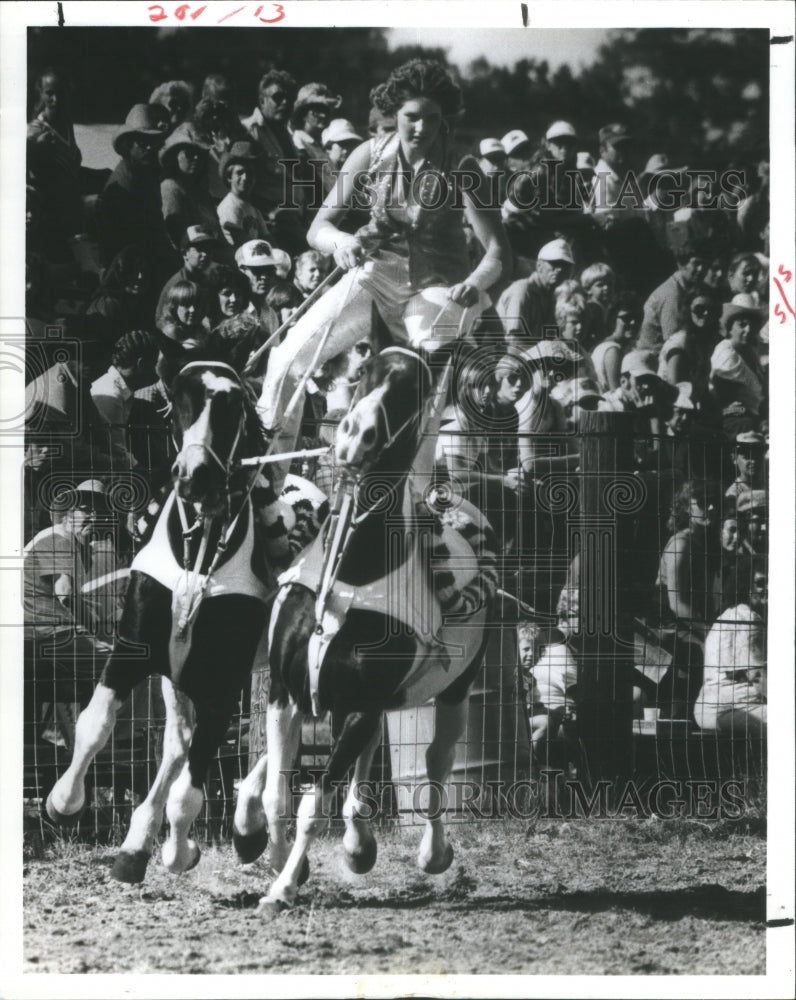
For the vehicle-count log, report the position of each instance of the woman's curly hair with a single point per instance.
(418, 78)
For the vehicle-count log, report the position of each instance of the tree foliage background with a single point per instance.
(700, 95)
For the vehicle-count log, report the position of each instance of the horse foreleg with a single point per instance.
(67, 800)
(180, 852)
(249, 825)
(313, 811)
(436, 854)
(359, 843)
(283, 733)
(135, 852)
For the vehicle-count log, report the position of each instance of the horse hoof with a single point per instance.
(194, 861)
(249, 846)
(130, 866)
(304, 874)
(361, 861)
(432, 868)
(269, 909)
(63, 819)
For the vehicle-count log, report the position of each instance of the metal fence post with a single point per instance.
(609, 495)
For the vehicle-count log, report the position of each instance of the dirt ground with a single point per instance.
(589, 897)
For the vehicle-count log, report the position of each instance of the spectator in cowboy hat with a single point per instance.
(310, 116)
(184, 193)
(736, 375)
(129, 207)
(238, 218)
(256, 261)
(749, 455)
(527, 307)
(197, 246)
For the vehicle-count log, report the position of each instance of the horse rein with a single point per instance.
(194, 597)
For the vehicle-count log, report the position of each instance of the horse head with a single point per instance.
(212, 417)
(383, 423)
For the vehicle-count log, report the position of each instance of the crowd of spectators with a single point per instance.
(621, 298)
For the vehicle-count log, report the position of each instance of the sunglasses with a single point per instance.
(277, 97)
(701, 310)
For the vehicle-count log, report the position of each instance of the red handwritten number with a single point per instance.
(787, 275)
(159, 14)
(196, 13)
(778, 311)
(279, 10)
(181, 11)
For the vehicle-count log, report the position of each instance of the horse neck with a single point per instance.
(382, 538)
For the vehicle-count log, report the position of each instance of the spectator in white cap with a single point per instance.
(519, 150)
(527, 306)
(256, 261)
(339, 139)
(492, 160)
(749, 457)
(640, 388)
(548, 199)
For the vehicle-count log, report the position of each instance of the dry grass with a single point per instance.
(586, 897)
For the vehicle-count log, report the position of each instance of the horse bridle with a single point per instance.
(414, 417)
(226, 467)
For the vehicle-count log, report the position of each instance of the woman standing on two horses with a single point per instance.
(410, 260)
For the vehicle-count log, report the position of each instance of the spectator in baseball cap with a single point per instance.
(197, 244)
(527, 306)
(339, 139)
(519, 149)
(492, 160)
(256, 261)
(749, 456)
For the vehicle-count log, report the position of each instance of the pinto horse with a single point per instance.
(364, 634)
(194, 612)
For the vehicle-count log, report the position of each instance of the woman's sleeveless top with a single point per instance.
(422, 216)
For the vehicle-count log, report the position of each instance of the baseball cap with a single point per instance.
(639, 363)
(558, 130)
(556, 250)
(255, 253)
(489, 146)
(751, 439)
(513, 140)
(95, 489)
(614, 133)
(196, 235)
(339, 130)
